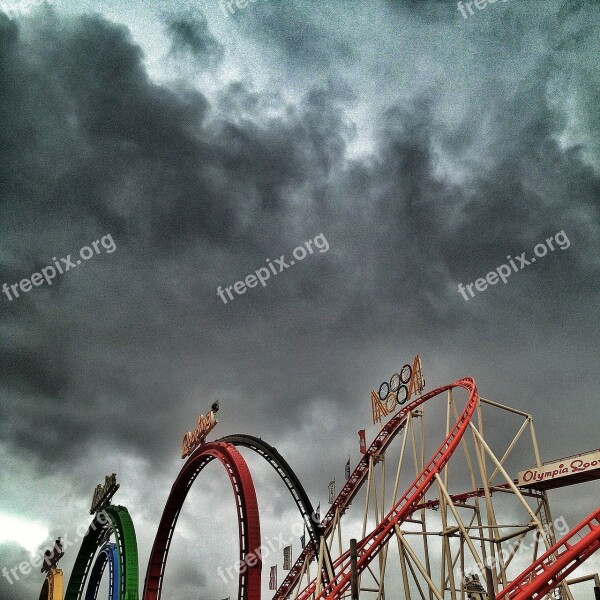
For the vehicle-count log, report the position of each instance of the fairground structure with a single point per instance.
(440, 514)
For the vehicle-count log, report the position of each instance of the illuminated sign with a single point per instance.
(398, 390)
(104, 493)
(206, 424)
(564, 468)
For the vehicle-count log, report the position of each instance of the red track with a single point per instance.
(247, 512)
(347, 493)
(537, 580)
(542, 576)
(553, 566)
(370, 546)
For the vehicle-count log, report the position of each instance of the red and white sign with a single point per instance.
(564, 468)
(363, 441)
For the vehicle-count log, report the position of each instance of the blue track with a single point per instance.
(108, 554)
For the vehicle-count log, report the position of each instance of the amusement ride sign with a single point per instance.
(563, 468)
(104, 493)
(398, 390)
(206, 424)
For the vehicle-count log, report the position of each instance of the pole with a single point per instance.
(597, 593)
(489, 577)
(353, 569)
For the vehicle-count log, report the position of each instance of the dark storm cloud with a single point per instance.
(297, 29)
(135, 160)
(190, 34)
(195, 202)
(123, 352)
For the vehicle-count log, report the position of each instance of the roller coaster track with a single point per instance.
(124, 531)
(53, 586)
(545, 574)
(542, 576)
(86, 554)
(127, 551)
(109, 554)
(553, 566)
(247, 513)
(370, 546)
(347, 494)
(293, 484)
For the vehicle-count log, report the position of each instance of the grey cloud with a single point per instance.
(198, 189)
(190, 33)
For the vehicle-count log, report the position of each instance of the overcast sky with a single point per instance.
(423, 147)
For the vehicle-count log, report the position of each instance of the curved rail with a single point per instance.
(283, 469)
(108, 555)
(126, 550)
(85, 556)
(247, 512)
(536, 581)
(293, 484)
(346, 495)
(118, 519)
(555, 564)
(371, 545)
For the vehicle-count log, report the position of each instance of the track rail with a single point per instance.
(536, 581)
(126, 551)
(108, 555)
(247, 513)
(283, 469)
(345, 496)
(370, 546)
(119, 520)
(293, 484)
(557, 563)
(85, 556)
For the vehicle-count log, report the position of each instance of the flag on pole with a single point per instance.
(348, 469)
(287, 558)
(303, 540)
(363, 441)
(273, 578)
(331, 491)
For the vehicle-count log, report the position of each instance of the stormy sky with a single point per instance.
(192, 145)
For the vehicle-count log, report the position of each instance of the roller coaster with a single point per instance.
(496, 541)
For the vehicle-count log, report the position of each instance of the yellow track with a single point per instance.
(54, 579)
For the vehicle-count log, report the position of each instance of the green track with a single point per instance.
(124, 531)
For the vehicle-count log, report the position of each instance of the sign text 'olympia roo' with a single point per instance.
(398, 390)
(206, 424)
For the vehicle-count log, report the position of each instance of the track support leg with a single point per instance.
(353, 569)
(489, 577)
